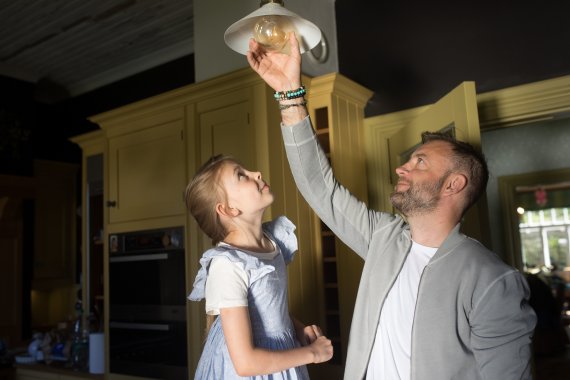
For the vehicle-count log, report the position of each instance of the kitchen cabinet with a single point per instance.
(147, 170)
(55, 224)
(227, 130)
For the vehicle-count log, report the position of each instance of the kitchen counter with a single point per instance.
(55, 369)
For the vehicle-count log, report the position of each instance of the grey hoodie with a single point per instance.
(472, 318)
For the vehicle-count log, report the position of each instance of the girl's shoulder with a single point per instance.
(282, 231)
(251, 265)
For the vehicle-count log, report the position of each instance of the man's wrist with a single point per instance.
(293, 110)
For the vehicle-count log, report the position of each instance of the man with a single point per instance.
(432, 303)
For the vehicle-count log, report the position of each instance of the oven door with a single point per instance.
(147, 314)
(155, 278)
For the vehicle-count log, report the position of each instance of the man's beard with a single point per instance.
(418, 199)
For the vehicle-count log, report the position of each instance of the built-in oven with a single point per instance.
(147, 304)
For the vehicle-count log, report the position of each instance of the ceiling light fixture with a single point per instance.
(269, 25)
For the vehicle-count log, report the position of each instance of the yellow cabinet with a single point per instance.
(227, 130)
(147, 171)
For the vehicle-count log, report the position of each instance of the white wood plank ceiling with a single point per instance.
(81, 45)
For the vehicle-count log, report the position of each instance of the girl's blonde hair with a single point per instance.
(204, 192)
(201, 196)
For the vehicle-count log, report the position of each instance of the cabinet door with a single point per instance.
(228, 131)
(147, 173)
(55, 213)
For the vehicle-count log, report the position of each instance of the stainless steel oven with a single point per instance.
(147, 304)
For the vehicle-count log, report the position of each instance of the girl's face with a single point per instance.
(246, 191)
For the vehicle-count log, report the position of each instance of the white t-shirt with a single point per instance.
(227, 282)
(390, 358)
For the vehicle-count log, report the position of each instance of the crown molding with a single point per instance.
(544, 100)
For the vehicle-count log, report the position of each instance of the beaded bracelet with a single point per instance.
(286, 106)
(290, 94)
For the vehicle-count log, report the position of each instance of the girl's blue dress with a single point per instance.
(267, 304)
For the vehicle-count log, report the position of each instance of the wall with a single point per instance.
(18, 116)
(517, 150)
(50, 307)
(212, 18)
(411, 53)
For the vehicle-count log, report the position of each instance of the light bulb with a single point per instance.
(271, 32)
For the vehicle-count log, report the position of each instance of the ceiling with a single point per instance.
(80, 45)
(73, 47)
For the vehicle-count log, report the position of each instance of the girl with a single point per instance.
(244, 280)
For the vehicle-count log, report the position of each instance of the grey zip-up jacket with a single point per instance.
(472, 318)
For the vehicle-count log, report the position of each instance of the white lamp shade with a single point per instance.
(237, 36)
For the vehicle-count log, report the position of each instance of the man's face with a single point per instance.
(421, 179)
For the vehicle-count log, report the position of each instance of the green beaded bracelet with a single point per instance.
(290, 94)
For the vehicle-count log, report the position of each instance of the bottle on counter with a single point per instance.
(79, 353)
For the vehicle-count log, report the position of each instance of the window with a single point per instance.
(544, 238)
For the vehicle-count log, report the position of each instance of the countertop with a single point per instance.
(59, 369)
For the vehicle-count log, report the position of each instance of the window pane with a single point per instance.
(558, 246)
(531, 243)
(547, 216)
(523, 219)
(559, 212)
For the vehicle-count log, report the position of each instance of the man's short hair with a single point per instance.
(467, 160)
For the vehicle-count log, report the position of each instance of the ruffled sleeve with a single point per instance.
(254, 268)
(282, 231)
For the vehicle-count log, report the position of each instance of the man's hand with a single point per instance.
(279, 70)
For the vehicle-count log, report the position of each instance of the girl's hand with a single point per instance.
(306, 334)
(322, 349)
(279, 70)
(311, 333)
(249, 360)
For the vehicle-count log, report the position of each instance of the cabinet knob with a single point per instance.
(111, 203)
